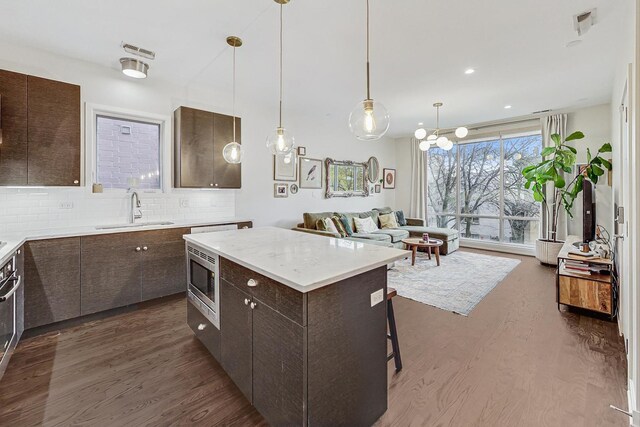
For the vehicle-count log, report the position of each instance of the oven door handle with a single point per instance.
(13, 290)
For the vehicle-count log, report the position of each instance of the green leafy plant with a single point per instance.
(556, 168)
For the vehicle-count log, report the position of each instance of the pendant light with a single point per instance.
(280, 141)
(369, 120)
(441, 141)
(233, 151)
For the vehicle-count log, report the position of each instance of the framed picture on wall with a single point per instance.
(389, 178)
(302, 151)
(377, 188)
(280, 190)
(285, 167)
(311, 171)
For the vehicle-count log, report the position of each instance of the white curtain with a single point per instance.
(556, 123)
(418, 188)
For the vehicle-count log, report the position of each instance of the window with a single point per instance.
(127, 153)
(478, 188)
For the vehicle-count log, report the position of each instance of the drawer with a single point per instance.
(204, 330)
(584, 293)
(288, 302)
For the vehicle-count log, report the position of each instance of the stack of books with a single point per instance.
(576, 266)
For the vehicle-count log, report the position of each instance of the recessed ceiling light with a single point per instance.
(420, 124)
(469, 71)
(134, 68)
(507, 107)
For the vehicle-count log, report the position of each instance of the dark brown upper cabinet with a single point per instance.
(40, 121)
(13, 122)
(200, 137)
(53, 122)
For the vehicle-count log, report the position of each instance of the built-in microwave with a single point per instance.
(203, 283)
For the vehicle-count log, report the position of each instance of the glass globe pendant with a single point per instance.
(369, 120)
(280, 141)
(424, 145)
(233, 151)
(420, 133)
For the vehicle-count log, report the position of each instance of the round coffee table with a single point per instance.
(414, 243)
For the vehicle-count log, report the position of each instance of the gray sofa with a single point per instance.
(386, 237)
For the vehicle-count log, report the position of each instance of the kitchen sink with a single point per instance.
(134, 225)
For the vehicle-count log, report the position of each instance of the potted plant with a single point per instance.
(556, 168)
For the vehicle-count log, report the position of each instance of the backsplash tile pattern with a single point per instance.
(28, 209)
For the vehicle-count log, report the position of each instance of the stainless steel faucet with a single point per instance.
(136, 213)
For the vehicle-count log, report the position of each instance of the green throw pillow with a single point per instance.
(402, 221)
(346, 222)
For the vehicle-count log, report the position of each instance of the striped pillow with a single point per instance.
(339, 226)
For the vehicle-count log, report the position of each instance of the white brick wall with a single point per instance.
(26, 209)
(122, 157)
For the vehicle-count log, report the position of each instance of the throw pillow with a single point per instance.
(347, 225)
(339, 226)
(365, 225)
(388, 221)
(402, 221)
(326, 224)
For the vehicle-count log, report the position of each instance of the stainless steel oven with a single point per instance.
(203, 283)
(11, 300)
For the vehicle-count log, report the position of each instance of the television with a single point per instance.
(588, 211)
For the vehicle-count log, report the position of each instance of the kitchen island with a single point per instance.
(302, 323)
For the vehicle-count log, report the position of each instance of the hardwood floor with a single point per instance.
(515, 361)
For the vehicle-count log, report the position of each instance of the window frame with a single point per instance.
(93, 111)
(501, 217)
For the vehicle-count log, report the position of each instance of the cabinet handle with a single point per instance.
(138, 249)
(75, 181)
(252, 283)
(211, 185)
(144, 248)
(201, 326)
(253, 305)
(19, 251)
(246, 301)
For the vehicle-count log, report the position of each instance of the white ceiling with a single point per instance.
(420, 49)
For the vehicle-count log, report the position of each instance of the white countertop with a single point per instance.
(302, 261)
(15, 240)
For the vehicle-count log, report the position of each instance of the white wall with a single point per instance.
(595, 123)
(323, 136)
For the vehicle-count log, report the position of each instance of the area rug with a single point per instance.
(458, 285)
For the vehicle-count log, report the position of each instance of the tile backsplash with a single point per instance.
(28, 209)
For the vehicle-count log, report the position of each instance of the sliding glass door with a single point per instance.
(478, 189)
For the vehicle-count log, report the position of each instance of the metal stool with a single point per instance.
(393, 333)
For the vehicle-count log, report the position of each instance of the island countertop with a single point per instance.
(299, 260)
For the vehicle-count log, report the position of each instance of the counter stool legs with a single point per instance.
(393, 332)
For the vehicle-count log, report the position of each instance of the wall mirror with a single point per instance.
(346, 179)
(373, 170)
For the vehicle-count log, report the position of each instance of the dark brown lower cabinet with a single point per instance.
(111, 271)
(164, 270)
(236, 322)
(52, 281)
(278, 366)
(316, 358)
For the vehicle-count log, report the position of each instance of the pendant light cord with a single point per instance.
(437, 121)
(280, 125)
(368, 74)
(233, 108)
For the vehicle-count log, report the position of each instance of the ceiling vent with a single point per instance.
(582, 22)
(138, 51)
